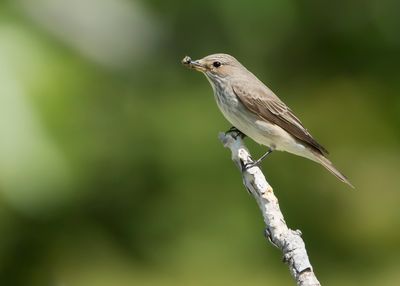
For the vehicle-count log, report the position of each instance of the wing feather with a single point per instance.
(265, 104)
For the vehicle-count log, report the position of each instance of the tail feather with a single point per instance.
(329, 166)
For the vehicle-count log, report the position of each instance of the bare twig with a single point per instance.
(288, 241)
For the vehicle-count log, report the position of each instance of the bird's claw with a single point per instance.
(257, 162)
(235, 133)
(250, 165)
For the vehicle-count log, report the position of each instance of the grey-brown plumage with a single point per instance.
(256, 111)
(270, 108)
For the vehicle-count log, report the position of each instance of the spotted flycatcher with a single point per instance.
(254, 110)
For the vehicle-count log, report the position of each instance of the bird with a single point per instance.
(255, 111)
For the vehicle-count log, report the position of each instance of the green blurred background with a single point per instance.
(111, 172)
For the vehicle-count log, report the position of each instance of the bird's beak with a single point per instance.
(197, 65)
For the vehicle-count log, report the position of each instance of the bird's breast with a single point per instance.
(261, 131)
(233, 110)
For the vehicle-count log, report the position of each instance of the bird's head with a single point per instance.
(216, 66)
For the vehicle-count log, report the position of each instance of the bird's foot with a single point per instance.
(257, 162)
(235, 133)
(248, 166)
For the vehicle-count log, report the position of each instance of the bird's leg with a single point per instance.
(235, 132)
(257, 162)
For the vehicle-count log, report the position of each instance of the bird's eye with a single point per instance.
(216, 64)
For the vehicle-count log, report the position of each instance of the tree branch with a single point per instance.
(287, 240)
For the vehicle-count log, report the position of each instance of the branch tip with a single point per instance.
(287, 240)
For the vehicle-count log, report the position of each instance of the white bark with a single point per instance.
(288, 241)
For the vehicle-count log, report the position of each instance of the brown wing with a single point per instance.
(268, 106)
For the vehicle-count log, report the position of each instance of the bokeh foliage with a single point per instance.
(110, 168)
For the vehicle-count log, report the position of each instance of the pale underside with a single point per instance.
(258, 129)
(263, 132)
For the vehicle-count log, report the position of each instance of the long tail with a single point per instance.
(329, 166)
